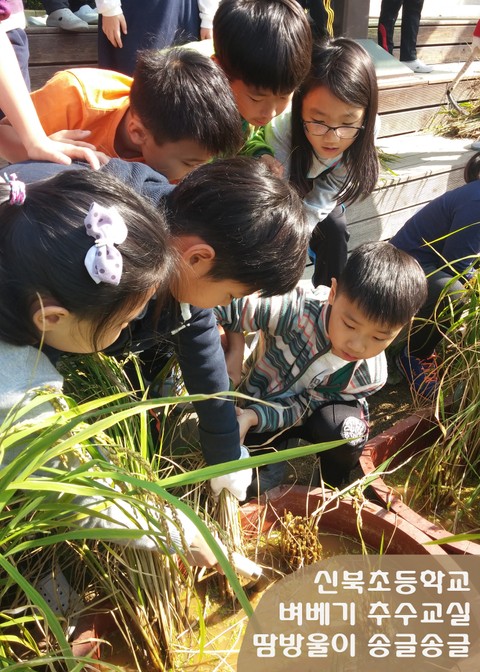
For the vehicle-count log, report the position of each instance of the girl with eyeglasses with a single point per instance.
(325, 145)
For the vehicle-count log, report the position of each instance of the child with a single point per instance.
(264, 47)
(326, 145)
(80, 256)
(127, 26)
(16, 103)
(177, 113)
(321, 353)
(237, 229)
(444, 237)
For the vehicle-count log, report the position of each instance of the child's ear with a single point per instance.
(333, 292)
(197, 255)
(48, 318)
(136, 130)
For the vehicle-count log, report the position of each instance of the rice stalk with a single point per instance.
(451, 123)
(451, 467)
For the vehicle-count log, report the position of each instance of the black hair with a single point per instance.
(181, 94)
(264, 43)
(346, 69)
(43, 244)
(387, 284)
(253, 220)
(472, 169)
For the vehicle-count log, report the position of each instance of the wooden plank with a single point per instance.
(40, 74)
(407, 121)
(427, 166)
(442, 53)
(397, 196)
(437, 33)
(60, 47)
(426, 94)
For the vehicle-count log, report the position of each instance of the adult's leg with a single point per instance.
(329, 243)
(386, 23)
(411, 13)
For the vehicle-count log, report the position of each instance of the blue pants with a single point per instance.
(19, 41)
(151, 24)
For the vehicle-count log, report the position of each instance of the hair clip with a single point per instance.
(17, 189)
(103, 261)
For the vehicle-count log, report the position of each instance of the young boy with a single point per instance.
(237, 229)
(265, 48)
(177, 113)
(321, 353)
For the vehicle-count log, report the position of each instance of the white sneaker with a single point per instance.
(66, 19)
(87, 14)
(62, 599)
(418, 66)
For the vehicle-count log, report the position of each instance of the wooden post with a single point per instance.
(351, 18)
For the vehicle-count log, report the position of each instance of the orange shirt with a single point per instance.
(86, 99)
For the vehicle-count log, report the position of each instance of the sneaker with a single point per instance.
(475, 146)
(62, 599)
(418, 66)
(66, 19)
(422, 374)
(87, 14)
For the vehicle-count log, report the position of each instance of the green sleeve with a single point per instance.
(256, 145)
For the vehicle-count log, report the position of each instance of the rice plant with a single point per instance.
(152, 596)
(446, 480)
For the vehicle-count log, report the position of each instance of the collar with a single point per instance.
(186, 316)
(319, 165)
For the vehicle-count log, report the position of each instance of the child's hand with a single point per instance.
(273, 165)
(114, 27)
(206, 33)
(62, 152)
(246, 419)
(72, 145)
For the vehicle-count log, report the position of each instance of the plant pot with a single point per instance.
(404, 440)
(92, 628)
(379, 528)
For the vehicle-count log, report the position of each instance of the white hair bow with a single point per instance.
(103, 261)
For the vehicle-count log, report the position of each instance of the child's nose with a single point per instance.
(356, 345)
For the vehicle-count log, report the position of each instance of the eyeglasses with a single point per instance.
(319, 128)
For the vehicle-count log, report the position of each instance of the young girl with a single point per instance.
(80, 257)
(326, 144)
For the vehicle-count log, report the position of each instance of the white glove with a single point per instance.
(236, 483)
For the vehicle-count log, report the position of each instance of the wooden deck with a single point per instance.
(426, 165)
(53, 49)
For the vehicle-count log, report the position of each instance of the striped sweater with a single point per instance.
(292, 366)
